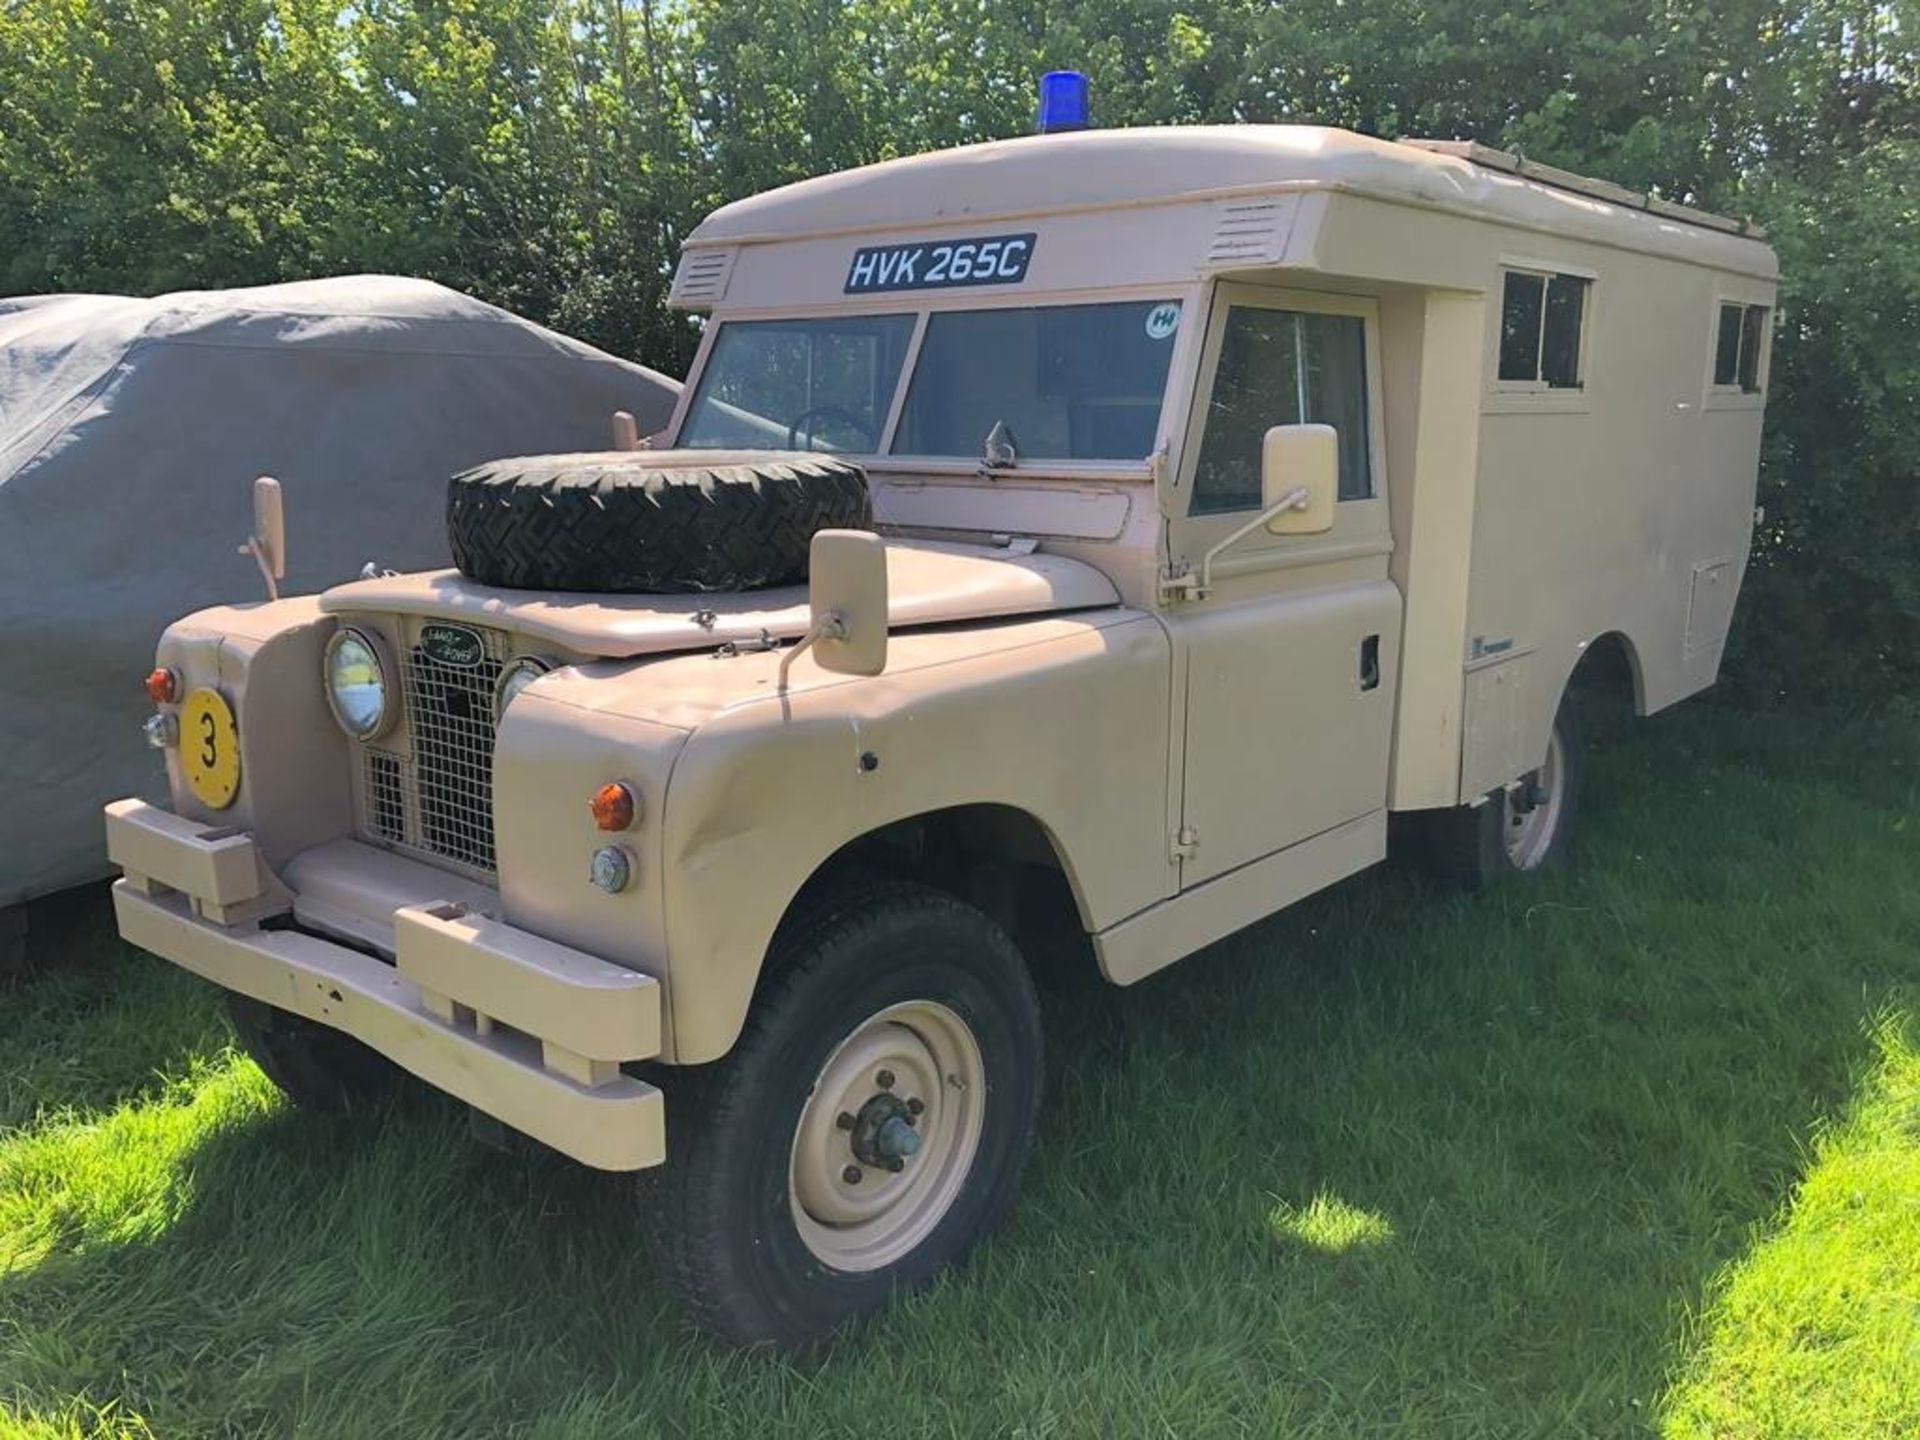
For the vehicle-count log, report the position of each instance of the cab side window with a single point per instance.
(1542, 316)
(1736, 356)
(1282, 367)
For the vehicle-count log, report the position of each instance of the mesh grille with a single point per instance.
(430, 789)
(450, 713)
(386, 797)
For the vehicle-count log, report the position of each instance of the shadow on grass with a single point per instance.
(1392, 1162)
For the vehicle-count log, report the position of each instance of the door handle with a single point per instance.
(1370, 663)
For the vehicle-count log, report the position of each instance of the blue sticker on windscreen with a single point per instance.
(940, 264)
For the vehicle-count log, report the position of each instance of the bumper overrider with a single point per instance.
(527, 1031)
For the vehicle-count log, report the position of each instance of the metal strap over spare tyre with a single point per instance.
(661, 522)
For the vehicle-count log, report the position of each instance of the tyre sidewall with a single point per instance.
(659, 523)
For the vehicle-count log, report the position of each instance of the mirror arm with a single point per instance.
(254, 548)
(268, 541)
(1199, 586)
(830, 626)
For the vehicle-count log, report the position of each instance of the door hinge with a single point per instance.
(1186, 843)
(1182, 584)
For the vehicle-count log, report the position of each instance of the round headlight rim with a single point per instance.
(383, 662)
(538, 664)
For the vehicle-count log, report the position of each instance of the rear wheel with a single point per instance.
(1519, 829)
(867, 1129)
(318, 1067)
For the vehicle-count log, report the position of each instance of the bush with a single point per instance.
(550, 158)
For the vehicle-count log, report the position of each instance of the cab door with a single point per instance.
(1288, 667)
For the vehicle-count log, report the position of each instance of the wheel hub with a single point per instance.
(883, 1133)
(887, 1136)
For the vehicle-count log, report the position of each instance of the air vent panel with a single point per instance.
(1251, 231)
(701, 280)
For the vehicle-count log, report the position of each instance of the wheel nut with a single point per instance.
(884, 1079)
(852, 1175)
(844, 1120)
(916, 1105)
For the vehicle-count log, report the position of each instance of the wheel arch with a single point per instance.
(1603, 674)
(1609, 666)
(994, 855)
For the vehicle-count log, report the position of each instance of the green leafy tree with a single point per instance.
(551, 156)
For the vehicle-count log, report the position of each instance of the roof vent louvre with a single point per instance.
(702, 277)
(1249, 231)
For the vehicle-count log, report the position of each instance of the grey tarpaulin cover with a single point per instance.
(130, 435)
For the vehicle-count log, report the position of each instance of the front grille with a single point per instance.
(427, 787)
(386, 797)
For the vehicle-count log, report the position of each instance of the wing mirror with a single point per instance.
(1299, 478)
(268, 542)
(847, 594)
(1299, 483)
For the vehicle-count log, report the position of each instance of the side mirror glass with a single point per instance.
(848, 597)
(270, 527)
(1301, 462)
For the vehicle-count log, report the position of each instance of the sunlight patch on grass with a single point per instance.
(87, 1179)
(1816, 1331)
(1328, 1223)
(80, 1420)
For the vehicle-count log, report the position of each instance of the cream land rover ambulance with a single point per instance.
(1122, 523)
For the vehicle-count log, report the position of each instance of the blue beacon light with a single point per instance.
(1063, 101)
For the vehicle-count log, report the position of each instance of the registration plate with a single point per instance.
(940, 264)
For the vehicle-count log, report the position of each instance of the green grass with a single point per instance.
(1633, 1148)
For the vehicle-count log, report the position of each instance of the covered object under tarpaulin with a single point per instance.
(130, 435)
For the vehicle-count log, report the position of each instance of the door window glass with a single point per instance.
(1282, 367)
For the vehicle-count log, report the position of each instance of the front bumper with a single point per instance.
(525, 1030)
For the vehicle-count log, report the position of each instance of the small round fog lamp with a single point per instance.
(611, 869)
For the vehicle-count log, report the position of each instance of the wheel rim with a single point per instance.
(912, 1082)
(1531, 827)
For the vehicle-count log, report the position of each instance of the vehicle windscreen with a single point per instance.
(820, 384)
(1061, 382)
(1066, 382)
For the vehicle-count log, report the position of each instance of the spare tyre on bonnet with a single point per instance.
(634, 522)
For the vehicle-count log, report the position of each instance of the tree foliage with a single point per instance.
(551, 156)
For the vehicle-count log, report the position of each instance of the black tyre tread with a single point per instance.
(685, 1233)
(634, 522)
(1464, 848)
(1461, 847)
(318, 1068)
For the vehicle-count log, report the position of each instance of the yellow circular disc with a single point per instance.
(210, 748)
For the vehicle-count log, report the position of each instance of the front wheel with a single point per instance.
(317, 1067)
(1521, 828)
(867, 1129)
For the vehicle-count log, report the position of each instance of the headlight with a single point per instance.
(520, 672)
(357, 686)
